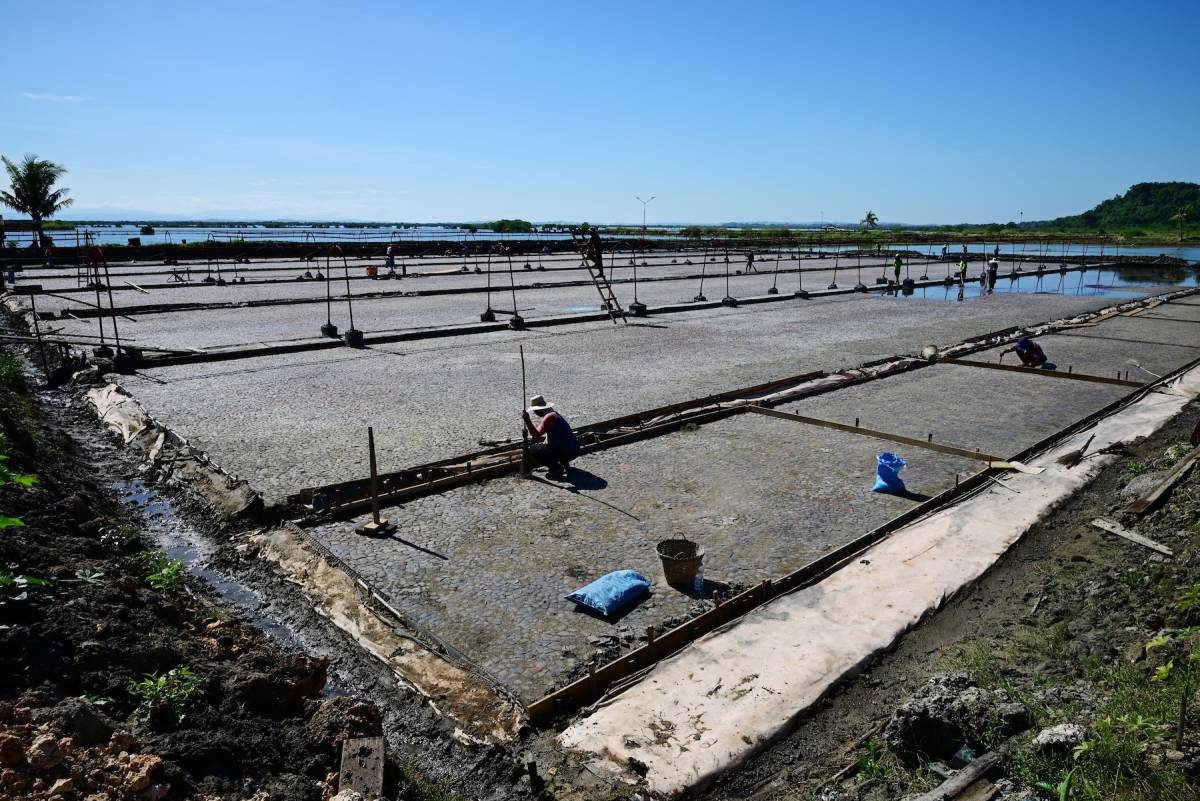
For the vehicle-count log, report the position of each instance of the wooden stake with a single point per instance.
(377, 527)
(524, 428)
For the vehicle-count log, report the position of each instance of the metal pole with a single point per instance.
(37, 332)
(112, 307)
(349, 302)
(99, 308)
(328, 292)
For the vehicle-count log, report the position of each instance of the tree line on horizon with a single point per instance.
(1145, 208)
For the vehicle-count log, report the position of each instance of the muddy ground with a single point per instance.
(89, 613)
(1059, 625)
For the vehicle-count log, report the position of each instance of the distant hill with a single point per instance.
(1148, 205)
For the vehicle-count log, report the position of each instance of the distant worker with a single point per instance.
(1030, 353)
(996, 251)
(993, 268)
(554, 442)
(391, 260)
(896, 265)
(750, 268)
(595, 251)
(962, 271)
(964, 250)
(945, 249)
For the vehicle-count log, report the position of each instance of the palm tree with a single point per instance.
(1181, 217)
(32, 191)
(871, 219)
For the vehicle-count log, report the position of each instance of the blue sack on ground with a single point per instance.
(1049, 366)
(887, 473)
(611, 593)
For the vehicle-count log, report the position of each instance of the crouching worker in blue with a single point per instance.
(554, 443)
(1030, 353)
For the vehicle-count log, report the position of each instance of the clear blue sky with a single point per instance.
(922, 112)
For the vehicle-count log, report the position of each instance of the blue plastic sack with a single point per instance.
(887, 473)
(611, 593)
(1049, 366)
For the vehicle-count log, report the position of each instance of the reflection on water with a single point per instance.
(1156, 274)
(1122, 282)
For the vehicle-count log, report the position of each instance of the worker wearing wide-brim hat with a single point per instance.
(554, 442)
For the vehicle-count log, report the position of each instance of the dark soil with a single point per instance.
(1059, 623)
(82, 620)
(70, 650)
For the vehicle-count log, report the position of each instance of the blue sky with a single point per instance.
(922, 112)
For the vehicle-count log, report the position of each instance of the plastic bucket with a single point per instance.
(680, 560)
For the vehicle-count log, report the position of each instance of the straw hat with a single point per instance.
(539, 405)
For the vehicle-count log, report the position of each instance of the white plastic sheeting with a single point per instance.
(710, 707)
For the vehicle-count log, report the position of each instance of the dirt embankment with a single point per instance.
(120, 678)
(1047, 655)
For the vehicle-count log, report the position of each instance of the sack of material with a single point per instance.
(887, 473)
(611, 593)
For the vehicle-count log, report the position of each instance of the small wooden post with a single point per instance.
(377, 527)
(650, 655)
(524, 428)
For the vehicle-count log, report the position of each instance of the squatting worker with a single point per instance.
(554, 442)
(1030, 353)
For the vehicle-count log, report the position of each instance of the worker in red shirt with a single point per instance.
(554, 442)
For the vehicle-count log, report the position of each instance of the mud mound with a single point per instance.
(117, 679)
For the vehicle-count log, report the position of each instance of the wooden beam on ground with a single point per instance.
(1095, 379)
(979, 790)
(362, 766)
(1173, 477)
(958, 783)
(868, 432)
(1132, 536)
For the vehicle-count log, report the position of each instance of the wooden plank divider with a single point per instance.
(868, 432)
(1069, 376)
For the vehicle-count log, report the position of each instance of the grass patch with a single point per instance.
(11, 375)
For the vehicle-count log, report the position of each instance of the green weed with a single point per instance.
(7, 476)
(11, 375)
(167, 694)
(119, 538)
(1133, 580)
(15, 587)
(1135, 468)
(162, 573)
(871, 761)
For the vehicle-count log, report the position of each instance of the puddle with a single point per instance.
(167, 532)
(1122, 283)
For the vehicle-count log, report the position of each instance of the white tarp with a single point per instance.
(710, 707)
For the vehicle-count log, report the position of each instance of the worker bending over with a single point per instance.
(1030, 353)
(554, 442)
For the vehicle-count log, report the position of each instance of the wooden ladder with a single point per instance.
(608, 299)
